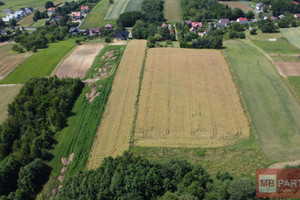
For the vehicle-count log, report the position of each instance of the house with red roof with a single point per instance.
(297, 16)
(75, 16)
(51, 11)
(84, 9)
(295, 2)
(243, 20)
(108, 26)
(197, 25)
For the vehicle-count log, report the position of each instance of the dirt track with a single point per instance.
(76, 64)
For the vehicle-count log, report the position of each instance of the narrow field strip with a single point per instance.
(274, 111)
(115, 9)
(8, 93)
(114, 131)
(172, 10)
(292, 34)
(188, 99)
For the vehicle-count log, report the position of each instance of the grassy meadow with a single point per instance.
(39, 23)
(134, 5)
(41, 63)
(172, 11)
(294, 81)
(280, 51)
(120, 6)
(292, 34)
(274, 111)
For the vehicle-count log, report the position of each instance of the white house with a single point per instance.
(259, 7)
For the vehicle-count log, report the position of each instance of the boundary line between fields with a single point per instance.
(136, 105)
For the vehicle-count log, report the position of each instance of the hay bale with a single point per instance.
(59, 187)
(63, 170)
(60, 178)
(54, 192)
(64, 160)
(87, 95)
(71, 157)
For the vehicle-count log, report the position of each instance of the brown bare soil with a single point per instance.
(8, 93)
(114, 132)
(78, 62)
(235, 4)
(9, 60)
(188, 99)
(284, 164)
(288, 68)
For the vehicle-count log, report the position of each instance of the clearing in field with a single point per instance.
(120, 6)
(78, 62)
(274, 111)
(115, 129)
(292, 34)
(9, 60)
(288, 68)
(188, 99)
(172, 10)
(236, 4)
(8, 93)
(41, 63)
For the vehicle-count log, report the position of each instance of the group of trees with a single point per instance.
(203, 10)
(153, 11)
(40, 110)
(130, 177)
(279, 7)
(41, 37)
(40, 15)
(1, 3)
(267, 26)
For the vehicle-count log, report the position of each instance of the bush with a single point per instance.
(200, 153)
(108, 39)
(18, 48)
(253, 31)
(78, 41)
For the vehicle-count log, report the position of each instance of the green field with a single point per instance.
(292, 34)
(280, 50)
(39, 23)
(41, 63)
(78, 136)
(274, 111)
(294, 81)
(96, 15)
(172, 10)
(134, 5)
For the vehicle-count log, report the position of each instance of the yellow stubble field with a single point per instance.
(188, 99)
(115, 128)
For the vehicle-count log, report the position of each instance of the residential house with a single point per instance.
(188, 22)
(192, 29)
(122, 35)
(21, 12)
(75, 16)
(164, 25)
(108, 26)
(259, 7)
(95, 30)
(56, 18)
(281, 16)
(84, 9)
(295, 2)
(273, 18)
(243, 20)
(8, 11)
(297, 16)
(225, 21)
(197, 25)
(74, 30)
(255, 20)
(220, 25)
(51, 11)
(29, 10)
(86, 32)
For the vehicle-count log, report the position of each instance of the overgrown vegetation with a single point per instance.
(130, 177)
(37, 113)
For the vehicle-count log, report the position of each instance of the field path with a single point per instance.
(114, 131)
(78, 62)
(274, 111)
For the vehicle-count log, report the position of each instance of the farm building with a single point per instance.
(75, 16)
(108, 26)
(122, 35)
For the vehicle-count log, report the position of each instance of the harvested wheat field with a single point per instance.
(9, 60)
(76, 64)
(8, 93)
(188, 99)
(288, 68)
(235, 4)
(114, 132)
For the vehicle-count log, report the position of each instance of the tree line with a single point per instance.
(136, 178)
(38, 112)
